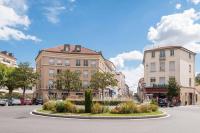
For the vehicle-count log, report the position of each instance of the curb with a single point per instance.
(101, 117)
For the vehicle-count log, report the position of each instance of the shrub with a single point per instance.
(153, 101)
(154, 107)
(88, 101)
(60, 107)
(69, 107)
(125, 108)
(80, 110)
(97, 108)
(50, 106)
(144, 108)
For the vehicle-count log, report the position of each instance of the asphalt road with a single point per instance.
(18, 120)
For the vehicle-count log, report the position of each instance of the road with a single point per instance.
(18, 120)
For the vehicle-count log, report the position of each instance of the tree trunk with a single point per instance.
(10, 93)
(24, 92)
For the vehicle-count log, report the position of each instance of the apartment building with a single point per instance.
(163, 63)
(51, 61)
(122, 90)
(8, 59)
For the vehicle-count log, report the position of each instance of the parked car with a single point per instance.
(162, 102)
(3, 102)
(26, 101)
(38, 101)
(14, 101)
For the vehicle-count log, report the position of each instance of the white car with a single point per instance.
(3, 102)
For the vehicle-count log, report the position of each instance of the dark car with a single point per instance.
(3, 102)
(162, 102)
(38, 101)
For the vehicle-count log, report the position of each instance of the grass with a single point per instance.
(104, 114)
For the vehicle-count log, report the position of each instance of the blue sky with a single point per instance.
(112, 26)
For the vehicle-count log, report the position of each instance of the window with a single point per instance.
(85, 83)
(190, 82)
(85, 73)
(51, 61)
(162, 80)
(153, 67)
(153, 54)
(190, 68)
(172, 52)
(162, 53)
(190, 55)
(152, 81)
(59, 62)
(59, 71)
(66, 62)
(50, 84)
(93, 63)
(85, 62)
(162, 66)
(172, 66)
(51, 72)
(78, 62)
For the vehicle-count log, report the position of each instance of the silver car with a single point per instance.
(3, 102)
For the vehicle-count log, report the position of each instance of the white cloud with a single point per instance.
(56, 8)
(178, 29)
(120, 59)
(178, 6)
(133, 75)
(12, 18)
(52, 13)
(196, 2)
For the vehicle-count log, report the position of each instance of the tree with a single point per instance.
(25, 76)
(2, 74)
(198, 79)
(68, 80)
(88, 101)
(101, 80)
(10, 80)
(173, 89)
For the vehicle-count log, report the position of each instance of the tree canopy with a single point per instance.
(68, 80)
(198, 79)
(173, 88)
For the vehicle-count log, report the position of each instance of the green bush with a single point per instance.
(97, 108)
(50, 106)
(125, 108)
(153, 101)
(154, 107)
(80, 110)
(88, 101)
(60, 107)
(144, 108)
(69, 107)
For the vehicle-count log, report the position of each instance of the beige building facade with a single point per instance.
(51, 61)
(163, 63)
(8, 59)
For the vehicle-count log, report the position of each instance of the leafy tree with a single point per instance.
(2, 74)
(198, 79)
(10, 80)
(25, 76)
(173, 89)
(101, 80)
(68, 80)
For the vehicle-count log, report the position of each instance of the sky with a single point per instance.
(121, 29)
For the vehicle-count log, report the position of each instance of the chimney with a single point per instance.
(66, 47)
(10, 54)
(77, 48)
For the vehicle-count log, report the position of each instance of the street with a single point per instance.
(17, 119)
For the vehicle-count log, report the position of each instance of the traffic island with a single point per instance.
(157, 114)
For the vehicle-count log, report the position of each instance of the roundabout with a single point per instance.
(158, 114)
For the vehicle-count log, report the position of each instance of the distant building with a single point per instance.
(52, 61)
(8, 59)
(163, 63)
(120, 77)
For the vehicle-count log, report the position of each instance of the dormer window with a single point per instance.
(66, 47)
(78, 48)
